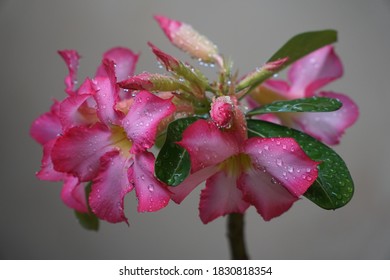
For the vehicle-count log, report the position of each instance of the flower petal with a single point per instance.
(329, 127)
(78, 151)
(74, 111)
(107, 96)
(71, 58)
(180, 192)
(47, 126)
(278, 86)
(124, 59)
(73, 194)
(152, 195)
(143, 118)
(220, 197)
(314, 71)
(284, 162)
(271, 200)
(207, 145)
(110, 187)
(47, 172)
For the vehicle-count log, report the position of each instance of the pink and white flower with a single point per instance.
(305, 78)
(101, 135)
(268, 173)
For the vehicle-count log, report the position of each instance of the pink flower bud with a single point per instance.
(276, 64)
(222, 111)
(189, 40)
(168, 61)
(151, 82)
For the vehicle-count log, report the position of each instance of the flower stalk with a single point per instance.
(236, 236)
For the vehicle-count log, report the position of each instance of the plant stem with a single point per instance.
(236, 237)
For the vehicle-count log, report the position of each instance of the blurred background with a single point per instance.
(34, 224)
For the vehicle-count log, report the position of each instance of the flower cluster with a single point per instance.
(98, 140)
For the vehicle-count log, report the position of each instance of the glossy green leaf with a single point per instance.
(296, 48)
(88, 220)
(314, 104)
(334, 186)
(173, 163)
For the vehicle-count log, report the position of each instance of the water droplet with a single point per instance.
(273, 180)
(290, 169)
(279, 162)
(309, 178)
(151, 188)
(266, 147)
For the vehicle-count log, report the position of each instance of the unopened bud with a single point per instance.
(222, 111)
(151, 82)
(189, 40)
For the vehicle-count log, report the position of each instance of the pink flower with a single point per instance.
(189, 40)
(305, 78)
(268, 173)
(99, 134)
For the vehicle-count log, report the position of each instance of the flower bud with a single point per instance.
(222, 111)
(151, 82)
(189, 40)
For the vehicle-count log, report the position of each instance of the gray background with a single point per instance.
(34, 224)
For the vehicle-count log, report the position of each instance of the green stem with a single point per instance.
(236, 237)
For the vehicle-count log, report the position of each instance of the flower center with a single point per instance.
(119, 139)
(235, 165)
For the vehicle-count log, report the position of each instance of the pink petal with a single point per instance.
(271, 200)
(220, 197)
(283, 161)
(207, 145)
(180, 192)
(47, 126)
(152, 195)
(330, 126)
(314, 71)
(74, 111)
(78, 151)
(110, 187)
(106, 96)
(124, 60)
(47, 172)
(278, 86)
(143, 118)
(270, 118)
(169, 26)
(73, 194)
(71, 58)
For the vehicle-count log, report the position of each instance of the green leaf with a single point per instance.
(314, 104)
(173, 163)
(334, 186)
(88, 220)
(296, 48)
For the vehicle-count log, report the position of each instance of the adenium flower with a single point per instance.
(101, 135)
(268, 173)
(305, 78)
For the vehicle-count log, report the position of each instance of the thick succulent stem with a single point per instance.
(236, 237)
